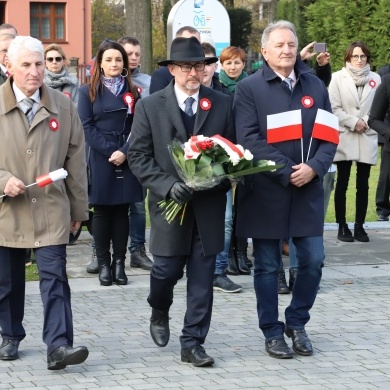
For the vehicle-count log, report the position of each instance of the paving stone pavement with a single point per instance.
(349, 328)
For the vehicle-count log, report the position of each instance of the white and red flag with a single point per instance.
(326, 127)
(285, 126)
(51, 177)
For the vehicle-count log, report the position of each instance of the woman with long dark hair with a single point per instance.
(106, 108)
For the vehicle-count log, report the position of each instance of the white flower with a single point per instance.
(234, 158)
(248, 155)
(189, 154)
(269, 162)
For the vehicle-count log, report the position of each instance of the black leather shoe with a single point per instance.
(159, 327)
(9, 349)
(65, 355)
(278, 348)
(139, 259)
(197, 356)
(301, 342)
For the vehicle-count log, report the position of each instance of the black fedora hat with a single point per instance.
(187, 50)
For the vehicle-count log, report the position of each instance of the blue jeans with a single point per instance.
(137, 223)
(310, 254)
(222, 257)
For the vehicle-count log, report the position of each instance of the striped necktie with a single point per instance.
(29, 111)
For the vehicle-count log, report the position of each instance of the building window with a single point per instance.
(47, 21)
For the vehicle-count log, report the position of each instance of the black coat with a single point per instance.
(378, 119)
(157, 121)
(107, 127)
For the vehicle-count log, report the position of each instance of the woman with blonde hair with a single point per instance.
(56, 74)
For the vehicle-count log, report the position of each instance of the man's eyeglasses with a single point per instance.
(187, 67)
(356, 57)
(51, 59)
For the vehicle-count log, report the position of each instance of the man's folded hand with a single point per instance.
(180, 193)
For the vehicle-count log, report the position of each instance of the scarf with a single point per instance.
(114, 84)
(360, 76)
(229, 83)
(58, 80)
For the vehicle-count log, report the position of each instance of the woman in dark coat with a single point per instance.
(106, 107)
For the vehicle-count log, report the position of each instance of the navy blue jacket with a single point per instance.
(268, 205)
(107, 127)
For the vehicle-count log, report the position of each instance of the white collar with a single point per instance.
(19, 95)
(290, 76)
(182, 96)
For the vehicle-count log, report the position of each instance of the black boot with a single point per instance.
(93, 266)
(118, 271)
(282, 283)
(232, 268)
(344, 233)
(359, 233)
(293, 275)
(242, 257)
(105, 273)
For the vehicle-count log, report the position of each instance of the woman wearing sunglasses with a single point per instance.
(56, 74)
(351, 93)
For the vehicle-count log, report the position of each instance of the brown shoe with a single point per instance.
(285, 248)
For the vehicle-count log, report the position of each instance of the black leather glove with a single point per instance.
(180, 193)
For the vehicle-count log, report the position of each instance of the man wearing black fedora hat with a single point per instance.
(178, 111)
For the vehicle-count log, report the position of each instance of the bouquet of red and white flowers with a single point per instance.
(204, 162)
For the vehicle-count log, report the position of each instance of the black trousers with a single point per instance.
(111, 224)
(383, 187)
(361, 202)
(167, 271)
(55, 294)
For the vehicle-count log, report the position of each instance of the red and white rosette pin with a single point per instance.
(139, 90)
(67, 94)
(53, 124)
(51, 177)
(372, 83)
(307, 101)
(128, 98)
(205, 104)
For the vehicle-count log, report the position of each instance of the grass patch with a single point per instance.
(32, 273)
(351, 196)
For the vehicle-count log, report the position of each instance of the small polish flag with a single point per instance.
(51, 177)
(285, 126)
(326, 127)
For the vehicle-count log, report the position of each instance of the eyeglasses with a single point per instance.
(356, 57)
(187, 67)
(51, 59)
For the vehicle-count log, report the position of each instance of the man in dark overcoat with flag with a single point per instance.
(288, 202)
(158, 120)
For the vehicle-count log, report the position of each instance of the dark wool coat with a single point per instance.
(268, 205)
(107, 127)
(157, 121)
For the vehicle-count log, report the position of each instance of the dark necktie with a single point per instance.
(188, 109)
(29, 111)
(288, 81)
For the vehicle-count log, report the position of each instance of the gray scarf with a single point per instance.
(360, 76)
(58, 80)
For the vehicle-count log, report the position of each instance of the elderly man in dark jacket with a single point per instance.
(158, 119)
(290, 201)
